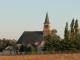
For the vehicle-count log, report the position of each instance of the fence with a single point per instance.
(44, 52)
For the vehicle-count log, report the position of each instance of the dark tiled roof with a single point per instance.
(46, 19)
(30, 37)
(20, 39)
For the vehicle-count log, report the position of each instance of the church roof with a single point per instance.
(30, 37)
(46, 19)
(33, 36)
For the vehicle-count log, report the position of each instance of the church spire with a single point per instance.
(46, 19)
(46, 29)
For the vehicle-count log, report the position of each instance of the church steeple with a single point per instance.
(46, 29)
(46, 19)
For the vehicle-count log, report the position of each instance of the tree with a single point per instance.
(29, 49)
(76, 27)
(72, 26)
(66, 32)
(67, 45)
(47, 45)
(6, 42)
(72, 38)
(77, 41)
(22, 48)
(53, 32)
(52, 43)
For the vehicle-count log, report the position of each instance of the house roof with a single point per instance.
(10, 48)
(30, 37)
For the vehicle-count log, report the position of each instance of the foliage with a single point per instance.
(52, 43)
(74, 37)
(76, 26)
(24, 48)
(67, 44)
(6, 42)
(66, 32)
(72, 27)
(77, 41)
(34, 50)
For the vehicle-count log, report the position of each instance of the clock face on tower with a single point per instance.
(46, 26)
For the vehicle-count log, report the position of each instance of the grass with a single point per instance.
(42, 57)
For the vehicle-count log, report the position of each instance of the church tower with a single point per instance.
(46, 29)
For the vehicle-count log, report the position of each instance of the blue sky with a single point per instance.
(17, 16)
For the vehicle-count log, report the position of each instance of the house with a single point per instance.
(35, 37)
(40, 47)
(9, 50)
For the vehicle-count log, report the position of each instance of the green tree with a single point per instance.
(67, 45)
(77, 41)
(23, 48)
(76, 27)
(47, 45)
(52, 43)
(53, 32)
(72, 26)
(66, 32)
(72, 38)
(29, 49)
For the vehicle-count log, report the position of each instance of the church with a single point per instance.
(35, 37)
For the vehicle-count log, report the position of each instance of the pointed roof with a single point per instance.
(30, 37)
(46, 19)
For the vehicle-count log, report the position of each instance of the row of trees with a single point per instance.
(71, 39)
(6, 42)
(73, 32)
